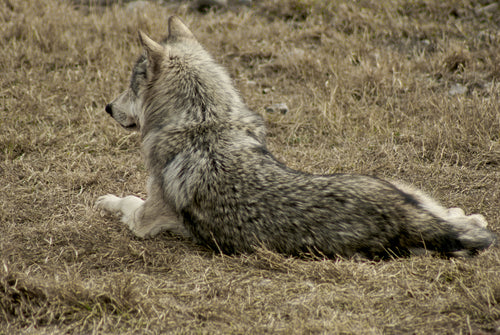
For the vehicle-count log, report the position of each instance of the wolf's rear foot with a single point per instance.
(455, 214)
(478, 220)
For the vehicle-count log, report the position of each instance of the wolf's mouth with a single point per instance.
(131, 127)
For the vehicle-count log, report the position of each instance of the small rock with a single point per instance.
(206, 5)
(137, 5)
(457, 89)
(296, 52)
(281, 107)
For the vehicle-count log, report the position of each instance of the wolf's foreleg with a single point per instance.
(143, 217)
(128, 208)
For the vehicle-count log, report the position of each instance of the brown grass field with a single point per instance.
(407, 90)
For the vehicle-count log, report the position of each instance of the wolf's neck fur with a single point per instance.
(198, 96)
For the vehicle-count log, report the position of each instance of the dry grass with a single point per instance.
(367, 83)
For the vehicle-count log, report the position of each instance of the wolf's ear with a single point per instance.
(154, 51)
(177, 29)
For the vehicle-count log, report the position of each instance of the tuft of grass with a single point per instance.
(368, 87)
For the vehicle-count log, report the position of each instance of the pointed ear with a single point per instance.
(154, 51)
(177, 29)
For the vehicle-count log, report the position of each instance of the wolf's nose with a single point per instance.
(108, 109)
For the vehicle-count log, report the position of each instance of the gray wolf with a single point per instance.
(212, 179)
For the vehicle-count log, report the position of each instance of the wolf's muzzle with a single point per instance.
(109, 110)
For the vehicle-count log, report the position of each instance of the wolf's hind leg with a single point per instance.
(455, 213)
(469, 230)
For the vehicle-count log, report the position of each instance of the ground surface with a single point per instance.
(399, 89)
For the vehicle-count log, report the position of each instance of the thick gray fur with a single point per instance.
(213, 179)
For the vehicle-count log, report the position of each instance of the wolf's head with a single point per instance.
(175, 80)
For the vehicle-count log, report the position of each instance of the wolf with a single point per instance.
(212, 178)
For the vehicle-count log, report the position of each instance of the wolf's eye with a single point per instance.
(134, 86)
(135, 82)
(139, 74)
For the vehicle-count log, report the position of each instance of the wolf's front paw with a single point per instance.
(125, 208)
(108, 203)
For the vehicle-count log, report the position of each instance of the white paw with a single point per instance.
(108, 203)
(126, 208)
(478, 220)
(455, 212)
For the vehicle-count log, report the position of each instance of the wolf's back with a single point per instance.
(251, 200)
